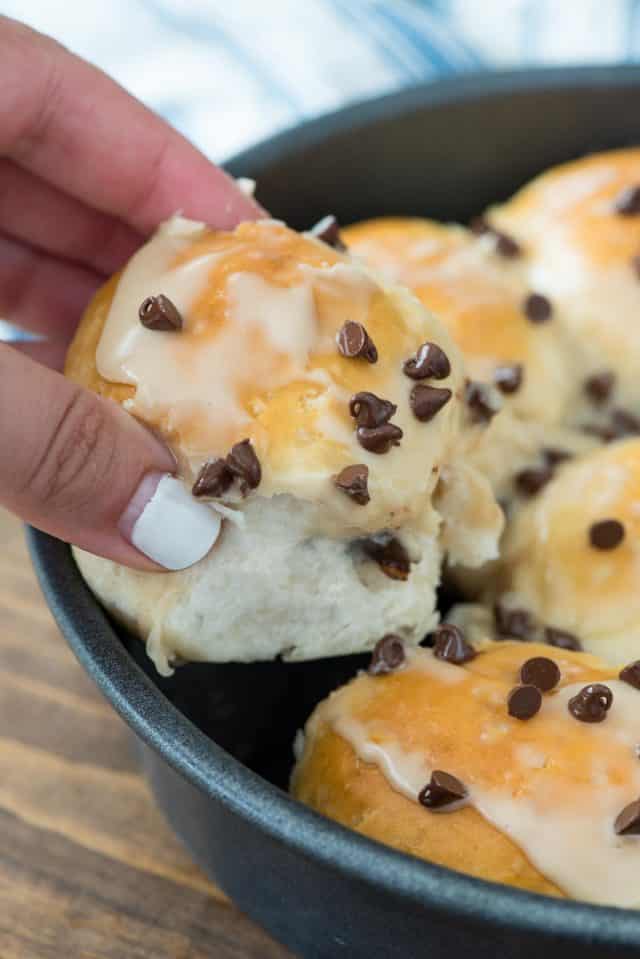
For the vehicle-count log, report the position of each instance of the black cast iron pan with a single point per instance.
(216, 741)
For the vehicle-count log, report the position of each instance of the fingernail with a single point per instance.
(165, 523)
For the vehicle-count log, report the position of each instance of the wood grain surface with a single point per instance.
(88, 867)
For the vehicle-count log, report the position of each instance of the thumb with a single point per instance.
(78, 466)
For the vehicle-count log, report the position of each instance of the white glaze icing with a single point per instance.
(262, 337)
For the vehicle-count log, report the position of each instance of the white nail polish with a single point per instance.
(173, 529)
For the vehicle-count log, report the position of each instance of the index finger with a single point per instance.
(73, 126)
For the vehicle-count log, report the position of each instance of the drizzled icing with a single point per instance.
(553, 785)
(257, 359)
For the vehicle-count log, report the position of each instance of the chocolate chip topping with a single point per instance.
(513, 623)
(628, 821)
(508, 378)
(606, 434)
(430, 362)
(505, 245)
(217, 475)
(561, 639)
(631, 674)
(353, 480)
(390, 555)
(537, 308)
(387, 656)
(554, 456)
(591, 704)
(530, 481)
(372, 414)
(354, 341)
(599, 386)
(482, 401)
(628, 202)
(442, 791)
(379, 439)
(370, 410)
(449, 643)
(328, 230)
(621, 423)
(540, 672)
(244, 464)
(213, 480)
(426, 401)
(160, 314)
(524, 702)
(625, 423)
(606, 534)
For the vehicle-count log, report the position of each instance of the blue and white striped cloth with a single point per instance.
(228, 74)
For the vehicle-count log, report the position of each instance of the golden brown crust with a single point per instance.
(580, 200)
(80, 365)
(335, 782)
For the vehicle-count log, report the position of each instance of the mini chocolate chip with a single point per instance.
(160, 314)
(625, 423)
(530, 481)
(524, 702)
(540, 672)
(370, 410)
(479, 226)
(508, 378)
(390, 555)
(513, 623)
(606, 534)
(561, 639)
(328, 230)
(482, 400)
(607, 434)
(430, 362)
(599, 386)
(245, 465)
(353, 480)
(628, 821)
(591, 704)
(354, 341)
(387, 656)
(554, 456)
(450, 644)
(442, 791)
(537, 308)
(214, 479)
(379, 439)
(505, 245)
(426, 401)
(631, 674)
(628, 202)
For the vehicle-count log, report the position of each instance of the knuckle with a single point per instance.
(142, 200)
(38, 112)
(79, 455)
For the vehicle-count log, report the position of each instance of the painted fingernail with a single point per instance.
(165, 522)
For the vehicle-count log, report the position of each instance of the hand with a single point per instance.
(86, 173)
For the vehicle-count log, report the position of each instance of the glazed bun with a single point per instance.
(578, 226)
(464, 761)
(570, 557)
(510, 338)
(284, 396)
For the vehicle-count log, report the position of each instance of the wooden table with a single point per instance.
(88, 867)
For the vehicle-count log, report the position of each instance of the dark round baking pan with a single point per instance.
(216, 740)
